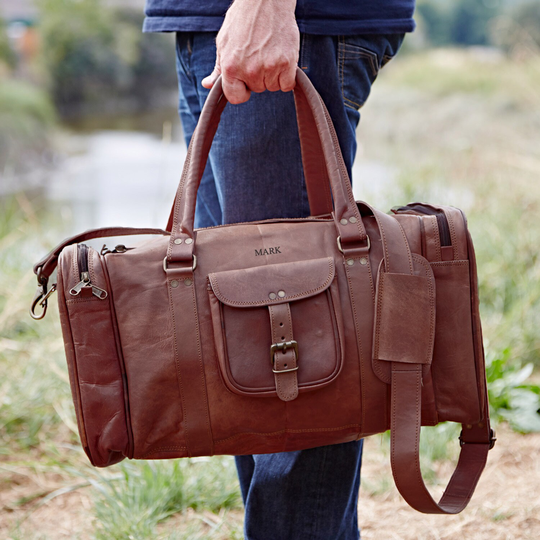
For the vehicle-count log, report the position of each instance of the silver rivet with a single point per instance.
(177, 241)
(188, 281)
(363, 260)
(281, 294)
(350, 262)
(189, 240)
(272, 296)
(352, 219)
(174, 283)
(344, 221)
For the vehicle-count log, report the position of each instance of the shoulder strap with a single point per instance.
(476, 441)
(46, 266)
(406, 407)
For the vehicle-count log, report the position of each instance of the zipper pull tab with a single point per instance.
(85, 281)
(100, 293)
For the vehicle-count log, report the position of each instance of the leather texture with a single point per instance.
(282, 334)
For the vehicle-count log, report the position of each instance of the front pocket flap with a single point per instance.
(272, 283)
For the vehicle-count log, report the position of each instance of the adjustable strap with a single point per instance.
(46, 266)
(189, 362)
(476, 441)
(283, 352)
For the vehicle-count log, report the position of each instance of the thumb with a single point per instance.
(209, 81)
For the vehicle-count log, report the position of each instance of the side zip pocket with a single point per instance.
(85, 283)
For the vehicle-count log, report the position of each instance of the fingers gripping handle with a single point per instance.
(309, 102)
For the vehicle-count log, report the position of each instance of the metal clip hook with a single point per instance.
(41, 297)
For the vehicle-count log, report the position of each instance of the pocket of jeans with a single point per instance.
(360, 58)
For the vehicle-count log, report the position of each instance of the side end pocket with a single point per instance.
(454, 366)
(94, 367)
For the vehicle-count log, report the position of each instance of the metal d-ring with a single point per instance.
(193, 266)
(341, 249)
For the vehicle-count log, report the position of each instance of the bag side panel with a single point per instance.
(141, 303)
(94, 366)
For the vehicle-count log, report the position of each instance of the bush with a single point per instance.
(26, 118)
(96, 55)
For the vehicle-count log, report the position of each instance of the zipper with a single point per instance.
(120, 248)
(426, 210)
(84, 274)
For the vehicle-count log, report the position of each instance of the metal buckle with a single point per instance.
(193, 266)
(368, 247)
(491, 442)
(283, 346)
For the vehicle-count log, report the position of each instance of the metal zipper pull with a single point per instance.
(85, 281)
(100, 293)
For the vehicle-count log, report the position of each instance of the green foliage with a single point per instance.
(26, 119)
(468, 22)
(7, 56)
(519, 30)
(511, 398)
(149, 492)
(94, 54)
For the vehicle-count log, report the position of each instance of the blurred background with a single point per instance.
(89, 136)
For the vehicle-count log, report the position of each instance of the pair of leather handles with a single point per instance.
(321, 156)
(323, 167)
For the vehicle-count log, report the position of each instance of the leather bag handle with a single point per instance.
(318, 184)
(306, 99)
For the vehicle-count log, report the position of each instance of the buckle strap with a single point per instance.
(283, 352)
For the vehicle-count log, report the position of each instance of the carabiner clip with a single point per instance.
(41, 297)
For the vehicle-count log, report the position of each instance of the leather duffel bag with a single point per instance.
(278, 335)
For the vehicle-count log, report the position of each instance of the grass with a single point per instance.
(465, 132)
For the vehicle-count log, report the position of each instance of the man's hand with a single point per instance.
(257, 49)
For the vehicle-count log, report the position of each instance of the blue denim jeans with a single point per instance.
(255, 172)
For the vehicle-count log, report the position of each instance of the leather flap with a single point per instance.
(273, 283)
(405, 319)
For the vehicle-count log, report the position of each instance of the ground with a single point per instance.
(505, 506)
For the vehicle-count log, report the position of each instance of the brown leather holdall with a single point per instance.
(280, 334)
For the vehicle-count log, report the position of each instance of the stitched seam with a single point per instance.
(406, 247)
(386, 253)
(281, 391)
(293, 375)
(435, 227)
(430, 278)
(269, 220)
(74, 263)
(224, 299)
(379, 311)
(91, 266)
(377, 366)
(201, 366)
(397, 479)
(450, 263)
(344, 173)
(285, 431)
(351, 101)
(80, 301)
(358, 344)
(177, 363)
(355, 51)
(452, 232)
(162, 449)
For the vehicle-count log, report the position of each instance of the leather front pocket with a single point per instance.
(295, 304)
